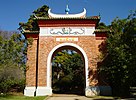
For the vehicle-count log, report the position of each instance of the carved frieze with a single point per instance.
(67, 31)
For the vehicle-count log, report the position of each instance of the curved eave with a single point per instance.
(79, 15)
(30, 32)
(102, 31)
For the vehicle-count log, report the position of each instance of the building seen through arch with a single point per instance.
(64, 31)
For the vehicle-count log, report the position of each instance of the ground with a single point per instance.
(20, 96)
(76, 97)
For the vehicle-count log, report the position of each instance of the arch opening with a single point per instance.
(77, 50)
(68, 71)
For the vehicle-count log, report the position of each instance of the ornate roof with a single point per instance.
(91, 17)
(81, 15)
(73, 18)
(67, 15)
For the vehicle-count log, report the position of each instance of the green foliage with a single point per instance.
(101, 26)
(13, 51)
(13, 85)
(12, 62)
(31, 23)
(19, 97)
(120, 59)
(68, 71)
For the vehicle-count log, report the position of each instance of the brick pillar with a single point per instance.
(42, 88)
(31, 69)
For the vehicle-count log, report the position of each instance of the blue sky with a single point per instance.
(14, 11)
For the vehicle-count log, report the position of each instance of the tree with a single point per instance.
(102, 26)
(13, 52)
(12, 61)
(119, 62)
(5, 34)
(31, 24)
(68, 71)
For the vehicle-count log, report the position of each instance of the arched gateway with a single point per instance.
(67, 46)
(74, 31)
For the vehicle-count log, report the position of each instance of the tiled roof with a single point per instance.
(29, 32)
(47, 18)
(103, 30)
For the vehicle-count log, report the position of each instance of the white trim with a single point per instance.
(43, 91)
(86, 31)
(50, 57)
(79, 15)
(29, 91)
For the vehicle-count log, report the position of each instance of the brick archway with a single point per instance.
(50, 57)
(54, 33)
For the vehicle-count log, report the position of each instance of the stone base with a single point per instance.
(29, 91)
(92, 91)
(43, 91)
(40, 91)
(89, 91)
(98, 90)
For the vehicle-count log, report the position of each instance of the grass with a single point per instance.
(19, 96)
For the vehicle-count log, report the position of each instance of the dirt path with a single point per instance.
(67, 97)
(73, 97)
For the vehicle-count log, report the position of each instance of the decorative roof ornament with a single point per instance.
(67, 10)
(67, 15)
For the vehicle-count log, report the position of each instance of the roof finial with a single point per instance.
(67, 10)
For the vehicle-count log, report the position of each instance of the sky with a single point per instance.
(14, 11)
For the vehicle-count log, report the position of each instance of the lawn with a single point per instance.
(19, 96)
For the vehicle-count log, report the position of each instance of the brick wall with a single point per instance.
(88, 43)
(31, 64)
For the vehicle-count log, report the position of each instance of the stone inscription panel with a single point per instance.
(66, 39)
